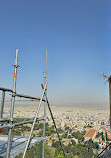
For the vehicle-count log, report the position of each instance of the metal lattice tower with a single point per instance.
(10, 121)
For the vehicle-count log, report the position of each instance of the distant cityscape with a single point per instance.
(93, 121)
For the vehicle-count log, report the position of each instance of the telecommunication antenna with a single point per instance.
(11, 123)
(45, 82)
(44, 95)
(45, 77)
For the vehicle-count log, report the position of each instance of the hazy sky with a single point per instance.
(76, 34)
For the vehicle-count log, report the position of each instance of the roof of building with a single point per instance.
(102, 141)
(18, 144)
(90, 133)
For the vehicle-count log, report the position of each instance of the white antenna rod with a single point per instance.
(46, 69)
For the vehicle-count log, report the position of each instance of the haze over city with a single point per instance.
(76, 35)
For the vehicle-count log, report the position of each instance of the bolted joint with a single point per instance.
(16, 66)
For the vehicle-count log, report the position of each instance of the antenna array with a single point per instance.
(11, 123)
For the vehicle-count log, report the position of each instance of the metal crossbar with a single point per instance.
(28, 97)
(6, 89)
(20, 123)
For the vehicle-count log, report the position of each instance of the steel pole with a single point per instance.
(43, 150)
(12, 105)
(45, 83)
(6, 89)
(35, 118)
(2, 104)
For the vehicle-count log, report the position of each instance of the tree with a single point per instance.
(55, 144)
(75, 156)
(67, 128)
(68, 148)
(78, 136)
(73, 142)
(69, 137)
(106, 137)
(36, 151)
(102, 136)
(64, 135)
(59, 156)
(98, 134)
(49, 152)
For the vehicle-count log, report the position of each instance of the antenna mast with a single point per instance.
(45, 95)
(45, 77)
